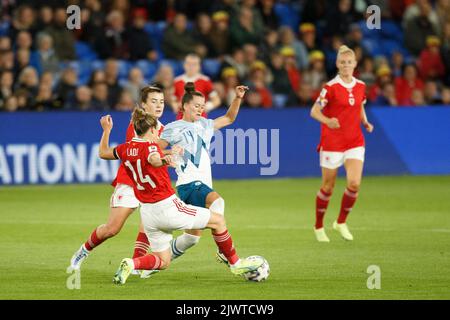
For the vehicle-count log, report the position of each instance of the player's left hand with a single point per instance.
(240, 91)
(106, 123)
(369, 127)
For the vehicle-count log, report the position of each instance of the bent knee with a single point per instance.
(354, 185)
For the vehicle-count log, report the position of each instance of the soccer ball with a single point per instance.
(262, 273)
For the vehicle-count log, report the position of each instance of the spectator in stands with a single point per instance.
(93, 30)
(112, 80)
(178, 41)
(417, 98)
(220, 33)
(445, 96)
(243, 30)
(24, 100)
(229, 6)
(135, 83)
(22, 61)
(281, 85)
(431, 92)
(96, 76)
(24, 20)
(387, 97)
(237, 61)
(11, 104)
(192, 73)
(6, 86)
(290, 64)
(339, 18)
(82, 100)
(100, 97)
(384, 76)
(28, 81)
(165, 77)
(267, 12)
(269, 45)
(65, 90)
(45, 55)
(445, 52)
(6, 60)
(23, 40)
(45, 18)
(308, 36)
(257, 83)
(63, 39)
(316, 74)
(123, 6)
(202, 34)
(304, 96)
(230, 82)
(5, 43)
(115, 43)
(287, 39)
(45, 101)
(430, 62)
(139, 40)
(397, 63)
(126, 101)
(258, 23)
(418, 28)
(421, 7)
(443, 12)
(250, 56)
(405, 85)
(367, 71)
(47, 79)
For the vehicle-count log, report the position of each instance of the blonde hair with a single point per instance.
(344, 49)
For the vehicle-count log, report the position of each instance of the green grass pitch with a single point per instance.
(401, 224)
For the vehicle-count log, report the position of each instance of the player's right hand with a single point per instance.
(333, 123)
(169, 160)
(106, 122)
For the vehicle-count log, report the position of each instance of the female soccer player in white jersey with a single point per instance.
(161, 210)
(340, 110)
(123, 201)
(193, 133)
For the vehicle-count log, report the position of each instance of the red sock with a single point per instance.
(93, 241)
(225, 245)
(322, 200)
(141, 245)
(147, 262)
(348, 200)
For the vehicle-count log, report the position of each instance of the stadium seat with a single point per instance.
(373, 47)
(389, 46)
(97, 64)
(373, 34)
(211, 67)
(391, 30)
(287, 15)
(84, 51)
(4, 28)
(82, 68)
(148, 68)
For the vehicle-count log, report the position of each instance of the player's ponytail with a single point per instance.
(142, 121)
(344, 49)
(189, 93)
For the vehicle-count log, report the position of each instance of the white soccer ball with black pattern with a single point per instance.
(262, 273)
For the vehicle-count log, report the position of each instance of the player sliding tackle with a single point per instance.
(161, 210)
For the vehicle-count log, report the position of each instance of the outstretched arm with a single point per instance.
(104, 151)
(233, 110)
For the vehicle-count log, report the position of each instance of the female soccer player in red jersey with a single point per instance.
(123, 201)
(161, 210)
(340, 110)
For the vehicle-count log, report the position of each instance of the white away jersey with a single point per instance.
(195, 139)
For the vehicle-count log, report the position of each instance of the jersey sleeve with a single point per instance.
(324, 96)
(119, 151)
(168, 134)
(130, 133)
(152, 149)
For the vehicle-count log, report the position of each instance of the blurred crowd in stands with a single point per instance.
(284, 51)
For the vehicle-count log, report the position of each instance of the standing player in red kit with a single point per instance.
(161, 210)
(340, 110)
(204, 85)
(123, 201)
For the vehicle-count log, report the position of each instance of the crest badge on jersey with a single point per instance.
(351, 99)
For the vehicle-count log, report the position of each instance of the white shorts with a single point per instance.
(123, 197)
(333, 160)
(170, 214)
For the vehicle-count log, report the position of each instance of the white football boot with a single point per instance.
(321, 236)
(78, 258)
(343, 230)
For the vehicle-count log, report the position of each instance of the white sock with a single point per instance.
(182, 243)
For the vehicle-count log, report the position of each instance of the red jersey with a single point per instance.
(342, 101)
(202, 84)
(121, 176)
(150, 184)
